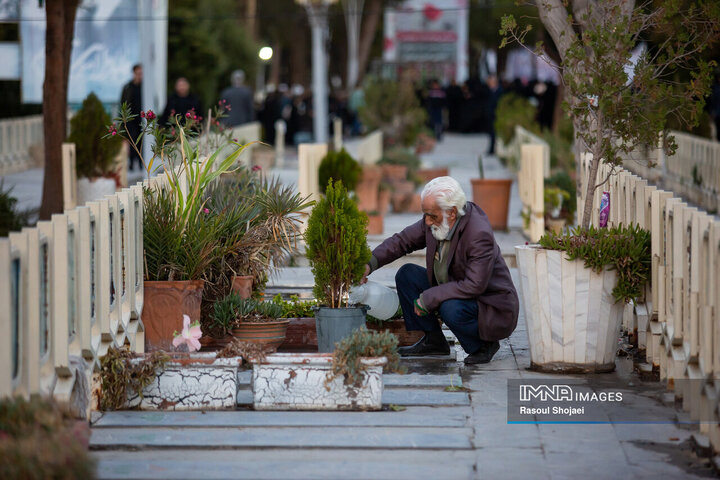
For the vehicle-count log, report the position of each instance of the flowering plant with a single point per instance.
(190, 335)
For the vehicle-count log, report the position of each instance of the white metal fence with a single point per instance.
(17, 135)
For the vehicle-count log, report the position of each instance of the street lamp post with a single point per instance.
(264, 54)
(317, 13)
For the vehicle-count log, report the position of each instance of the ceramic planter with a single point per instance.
(89, 189)
(334, 324)
(288, 381)
(493, 197)
(164, 307)
(270, 334)
(242, 285)
(427, 174)
(195, 381)
(573, 322)
(394, 172)
(555, 225)
(301, 334)
(375, 224)
(367, 189)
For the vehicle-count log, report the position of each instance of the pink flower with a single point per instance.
(142, 114)
(112, 130)
(256, 168)
(187, 115)
(150, 115)
(206, 210)
(190, 335)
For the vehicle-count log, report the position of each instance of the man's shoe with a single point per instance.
(484, 355)
(425, 347)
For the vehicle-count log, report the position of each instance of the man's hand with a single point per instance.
(367, 272)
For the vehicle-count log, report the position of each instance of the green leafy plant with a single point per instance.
(233, 308)
(393, 108)
(564, 182)
(399, 155)
(10, 219)
(625, 249)
(336, 239)
(339, 166)
(119, 375)
(514, 110)
(41, 440)
(94, 157)
(555, 198)
(295, 308)
(361, 344)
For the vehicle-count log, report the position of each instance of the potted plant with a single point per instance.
(339, 166)
(375, 222)
(252, 321)
(350, 379)
(338, 252)
(384, 194)
(554, 199)
(574, 288)
(301, 332)
(492, 195)
(94, 157)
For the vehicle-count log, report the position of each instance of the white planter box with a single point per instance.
(94, 189)
(196, 382)
(287, 381)
(573, 321)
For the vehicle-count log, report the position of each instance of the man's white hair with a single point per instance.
(447, 193)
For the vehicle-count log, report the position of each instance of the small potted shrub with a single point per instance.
(252, 321)
(554, 199)
(574, 289)
(492, 195)
(336, 240)
(375, 222)
(94, 156)
(350, 379)
(339, 166)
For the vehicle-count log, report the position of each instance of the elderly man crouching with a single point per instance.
(466, 283)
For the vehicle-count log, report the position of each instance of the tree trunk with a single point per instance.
(367, 35)
(275, 64)
(299, 61)
(58, 47)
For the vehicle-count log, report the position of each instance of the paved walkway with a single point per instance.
(424, 431)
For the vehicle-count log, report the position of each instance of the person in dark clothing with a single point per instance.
(181, 102)
(455, 99)
(494, 92)
(240, 100)
(132, 95)
(466, 282)
(714, 105)
(435, 104)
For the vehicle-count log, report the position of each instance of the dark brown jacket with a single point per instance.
(476, 270)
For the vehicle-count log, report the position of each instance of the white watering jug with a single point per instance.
(383, 301)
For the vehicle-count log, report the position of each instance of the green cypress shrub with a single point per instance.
(336, 239)
(339, 166)
(94, 155)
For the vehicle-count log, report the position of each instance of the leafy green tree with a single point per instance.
(206, 42)
(394, 108)
(336, 239)
(614, 113)
(94, 155)
(339, 166)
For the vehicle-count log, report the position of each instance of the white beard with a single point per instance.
(440, 232)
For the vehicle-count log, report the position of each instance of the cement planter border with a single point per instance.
(197, 381)
(289, 381)
(573, 321)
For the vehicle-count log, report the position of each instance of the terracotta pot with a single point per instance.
(301, 334)
(397, 327)
(242, 285)
(555, 225)
(367, 189)
(403, 187)
(395, 172)
(214, 344)
(493, 197)
(401, 202)
(415, 204)
(164, 307)
(375, 224)
(384, 201)
(427, 174)
(270, 334)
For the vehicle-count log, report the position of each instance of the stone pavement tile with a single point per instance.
(281, 464)
(493, 431)
(407, 396)
(490, 387)
(412, 417)
(421, 380)
(595, 465)
(511, 464)
(289, 437)
(582, 440)
(664, 433)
